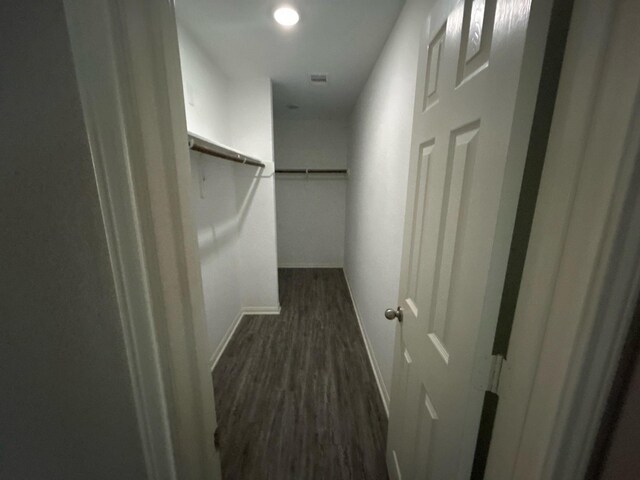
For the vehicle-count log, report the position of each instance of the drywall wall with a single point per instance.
(213, 189)
(377, 187)
(311, 221)
(320, 143)
(213, 194)
(66, 408)
(252, 133)
(205, 89)
(234, 205)
(311, 210)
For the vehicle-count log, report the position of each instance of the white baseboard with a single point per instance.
(382, 388)
(310, 265)
(261, 310)
(213, 361)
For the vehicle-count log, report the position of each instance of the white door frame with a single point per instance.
(128, 72)
(582, 273)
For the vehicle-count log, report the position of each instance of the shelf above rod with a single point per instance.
(306, 171)
(202, 146)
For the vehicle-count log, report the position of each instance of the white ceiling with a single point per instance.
(341, 38)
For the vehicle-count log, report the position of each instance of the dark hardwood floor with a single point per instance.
(295, 394)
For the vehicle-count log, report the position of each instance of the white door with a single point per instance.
(470, 134)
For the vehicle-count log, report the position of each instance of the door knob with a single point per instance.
(390, 314)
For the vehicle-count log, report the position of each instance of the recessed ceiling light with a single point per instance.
(286, 16)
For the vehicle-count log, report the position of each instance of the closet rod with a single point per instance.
(202, 146)
(311, 170)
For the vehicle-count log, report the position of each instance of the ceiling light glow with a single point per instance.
(286, 16)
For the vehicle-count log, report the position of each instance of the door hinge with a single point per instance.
(494, 375)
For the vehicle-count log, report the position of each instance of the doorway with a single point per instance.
(400, 163)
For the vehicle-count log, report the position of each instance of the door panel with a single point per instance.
(462, 163)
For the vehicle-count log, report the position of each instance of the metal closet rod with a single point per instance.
(202, 146)
(311, 170)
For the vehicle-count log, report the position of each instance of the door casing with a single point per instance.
(582, 271)
(128, 73)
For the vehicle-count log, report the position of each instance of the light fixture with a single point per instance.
(286, 16)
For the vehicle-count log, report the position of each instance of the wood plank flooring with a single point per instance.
(295, 394)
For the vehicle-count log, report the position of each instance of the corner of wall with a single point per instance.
(234, 205)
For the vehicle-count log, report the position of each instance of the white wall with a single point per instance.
(234, 205)
(205, 91)
(376, 194)
(311, 210)
(66, 407)
(217, 223)
(252, 133)
(213, 189)
(318, 143)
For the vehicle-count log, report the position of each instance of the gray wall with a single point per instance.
(66, 407)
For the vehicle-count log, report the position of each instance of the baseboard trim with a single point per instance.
(261, 310)
(310, 265)
(382, 388)
(213, 361)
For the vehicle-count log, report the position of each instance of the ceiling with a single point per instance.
(341, 38)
